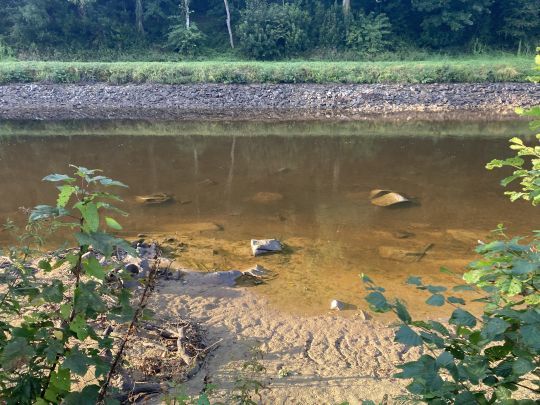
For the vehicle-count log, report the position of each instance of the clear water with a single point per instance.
(304, 183)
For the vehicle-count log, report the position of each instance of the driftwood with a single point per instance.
(181, 345)
(421, 254)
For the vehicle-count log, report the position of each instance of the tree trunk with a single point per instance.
(346, 7)
(186, 9)
(229, 22)
(139, 16)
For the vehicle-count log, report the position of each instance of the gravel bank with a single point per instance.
(264, 102)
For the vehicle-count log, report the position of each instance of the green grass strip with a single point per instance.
(459, 70)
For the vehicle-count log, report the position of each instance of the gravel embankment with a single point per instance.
(264, 102)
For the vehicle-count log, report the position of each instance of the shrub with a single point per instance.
(332, 31)
(272, 31)
(51, 343)
(186, 41)
(369, 34)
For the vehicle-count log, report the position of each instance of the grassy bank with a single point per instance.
(464, 70)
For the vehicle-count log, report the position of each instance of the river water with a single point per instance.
(306, 184)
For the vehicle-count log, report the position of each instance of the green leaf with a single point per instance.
(515, 287)
(16, 353)
(65, 311)
(494, 327)
(84, 172)
(59, 384)
(432, 339)
(434, 289)
(365, 278)
(90, 215)
(516, 140)
(405, 335)
(112, 223)
(496, 353)
(93, 268)
(58, 177)
(54, 347)
(445, 359)
(64, 195)
(54, 292)
(461, 317)
(522, 366)
(465, 398)
(61, 379)
(463, 287)
(108, 182)
(507, 180)
(88, 298)
(455, 300)
(436, 300)
(42, 212)
(45, 265)
(378, 302)
(104, 243)
(203, 400)
(402, 312)
(439, 327)
(79, 326)
(76, 361)
(88, 396)
(413, 280)
(531, 336)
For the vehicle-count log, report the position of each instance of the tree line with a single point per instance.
(269, 29)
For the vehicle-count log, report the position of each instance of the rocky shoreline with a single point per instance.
(266, 102)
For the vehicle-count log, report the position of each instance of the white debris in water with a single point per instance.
(257, 271)
(262, 246)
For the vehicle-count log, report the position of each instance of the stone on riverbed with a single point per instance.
(227, 278)
(156, 198)
(264, 246)
(266, 197)
(257, 271)
(337, 305)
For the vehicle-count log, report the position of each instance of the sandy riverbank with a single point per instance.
(329, 358)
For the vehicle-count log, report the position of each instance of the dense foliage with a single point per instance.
(264, 29)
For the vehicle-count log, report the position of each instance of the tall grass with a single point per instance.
(464, 70)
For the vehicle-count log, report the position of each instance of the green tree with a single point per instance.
(271, 30)
(450, 22)
(519, 22)
(369, 34)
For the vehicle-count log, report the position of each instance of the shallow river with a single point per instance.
(305, 183)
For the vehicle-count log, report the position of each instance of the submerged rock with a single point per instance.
(257, 271)
(264, 246)
(266, 197)
(157, 198)
(386, 198)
